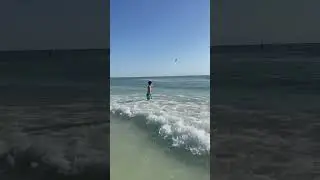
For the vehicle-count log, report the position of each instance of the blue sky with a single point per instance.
(147, 36)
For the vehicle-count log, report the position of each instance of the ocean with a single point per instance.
(54, 118)
(167, 137)
(266, 109)
(263, 109)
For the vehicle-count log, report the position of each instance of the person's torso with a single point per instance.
(149, 89)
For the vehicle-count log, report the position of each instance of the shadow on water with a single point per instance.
(181, 153)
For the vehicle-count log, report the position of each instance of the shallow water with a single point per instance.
(180, 108)
(168, 135)
(134, 155)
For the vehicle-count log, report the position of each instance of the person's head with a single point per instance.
(149, 82)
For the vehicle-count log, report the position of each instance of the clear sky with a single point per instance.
(147, 36)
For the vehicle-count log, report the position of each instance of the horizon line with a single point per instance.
(258, 44)
(216, 45)
(54, 49)
(158, 76)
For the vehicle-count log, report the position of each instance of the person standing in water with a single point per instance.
(149, 91)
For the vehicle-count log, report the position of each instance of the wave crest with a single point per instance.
(181, 125)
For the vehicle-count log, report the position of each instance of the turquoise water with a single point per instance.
(172, 130)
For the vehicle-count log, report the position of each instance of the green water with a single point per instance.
(134, 156)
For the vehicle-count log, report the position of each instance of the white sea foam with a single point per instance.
(184, 120)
